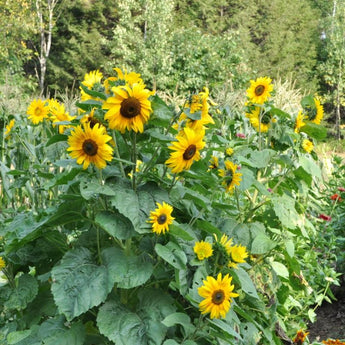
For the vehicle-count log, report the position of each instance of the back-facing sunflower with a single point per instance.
(129, 108)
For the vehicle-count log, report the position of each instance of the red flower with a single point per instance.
(240, 135)
(341, 189)
(336, 197)
(325, 217)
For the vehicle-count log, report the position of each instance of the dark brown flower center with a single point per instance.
(189, 152)
(259, 90)
(311, 112)
(130, 107)
(162, 219)
(218, 297)
(93, 121)
(266, 118)
(90, 147)
(229, 175)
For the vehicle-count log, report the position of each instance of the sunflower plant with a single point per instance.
(137, 222)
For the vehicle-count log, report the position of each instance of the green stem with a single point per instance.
(99, 247)
(134, 160)
(117, 153)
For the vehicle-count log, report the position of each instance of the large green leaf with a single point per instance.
(115, 224)
(79, 283)
(262, 244)
(120, 325)
(284, 208)
(315, 131)
(89, 189)
(162, 114)
(126, 271)
(246, 283)
(181, 319)
(25, 291)
(172, 254)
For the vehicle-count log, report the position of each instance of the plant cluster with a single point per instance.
(126, 221)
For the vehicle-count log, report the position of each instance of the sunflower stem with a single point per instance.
(99, 247)
(117, 153)
(134, 160)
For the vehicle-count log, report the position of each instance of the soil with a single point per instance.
(330, 321)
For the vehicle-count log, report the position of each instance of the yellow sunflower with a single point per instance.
(229, 151)
(203, 250)
(231, 178)
(89, 145)
(92, 81)
(123, 78)
(259, 90)
(238, 255)
(299, 123)
(37, 111)
(314, 113)
(225, 242)
(266, 119)
(214, 162)
(307, 145)
(161, 218)
(217, 296)
(90, 118)
(9, 128)
(58, 113)
(2, 263)
(186, 150)
(129, 108)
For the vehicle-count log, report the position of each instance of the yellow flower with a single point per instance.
(307, 145)
(214, 163)
(89, 145)
(2, 263)
(259, 90)
(9, 128)
(238, 255)
(203, 250)
(58, 114)
(37, 111)
(231, 178)
(217, 296)
(90, 118)
(137, 169)
(266, 119)
(229, 151)
(92, 81)
(161, 218)
(299, 121)
(225, 242)
(123, 78)
(314, 113)
(129, 108)
(186, 150)
(300, 337)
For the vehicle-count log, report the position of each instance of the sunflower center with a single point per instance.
(162, 219)
(130, 107)
(266, 118)
(38, 111)
(90, 147)
(189, 152)
(259, 90)
(218, 297)
(229, 175)
(93, 121)
(311, 112)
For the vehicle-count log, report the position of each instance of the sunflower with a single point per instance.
(89, 145)
(37, 111)
(186, 150)
(225, 243)
(90, 118)
(217, 296)
(266, 119)
(259, 90)
(161, 218)
(129, 108)
(58, 114)
(9, 128)
(203, 250)
(307, 145)
(229, 151)
(300, 337)
(299, 123)
(123, 78)
(314, 113)
(92, 81)
(238, 255)
(230, 177)
(214, 162)
(2, 263)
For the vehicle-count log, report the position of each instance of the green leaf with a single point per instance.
(115, 224)
(16, 337)
(225, 327)
(93, 93)
(24, 293)
(78, 283)
(180, 319)
(120, 325)
(63, 178)
(172, 254)
(180, 232)
(284, 208)
(259, 159)
(309, 165)
(246, 283)
(126, 271)
(262, 244)
(89, 105)
(280, 269)
(315, 131)
(290, 248)
(54, 332)
(56, 138)
(89, 189)
(162, 114)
